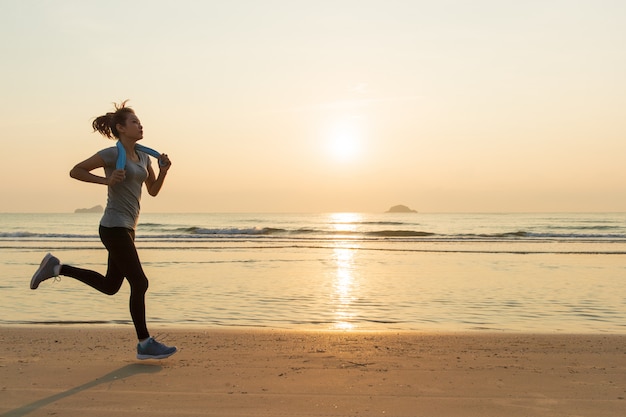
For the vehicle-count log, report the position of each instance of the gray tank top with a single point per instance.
(123, 199)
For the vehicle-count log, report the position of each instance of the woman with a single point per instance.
(118, 224)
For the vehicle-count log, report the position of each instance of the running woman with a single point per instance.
(118, 224)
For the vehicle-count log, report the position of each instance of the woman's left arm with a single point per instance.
(154, 183)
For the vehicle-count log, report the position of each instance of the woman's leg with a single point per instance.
(124, 260)
(123, 263)
(109, 284)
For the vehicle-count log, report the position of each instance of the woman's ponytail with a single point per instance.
(106, 125)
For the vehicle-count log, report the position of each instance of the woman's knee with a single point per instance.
(139, 284)
(112, 289)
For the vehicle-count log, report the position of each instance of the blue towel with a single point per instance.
(121, 154)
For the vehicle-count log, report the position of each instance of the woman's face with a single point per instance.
(132, 129)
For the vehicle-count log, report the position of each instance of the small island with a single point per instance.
(400, 209)
(94, 209)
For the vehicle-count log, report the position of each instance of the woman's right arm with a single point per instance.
(82, 172)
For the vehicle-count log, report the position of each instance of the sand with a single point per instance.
(92, 371)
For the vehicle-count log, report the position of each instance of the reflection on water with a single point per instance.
(344, 280)
(345, 222)
(344, 287)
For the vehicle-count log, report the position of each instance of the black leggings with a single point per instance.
(123, 263)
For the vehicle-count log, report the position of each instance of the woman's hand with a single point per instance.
(164, 162)
(119, 175)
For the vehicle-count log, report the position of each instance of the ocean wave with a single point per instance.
(399, 233)
(33, 235)
(519, 233)
(312, 229)
(17, 234)
(254, 231)
(198, 233)
(379, 223)
(153, 225)
(578, 227)
(546, 235)
(570, 236)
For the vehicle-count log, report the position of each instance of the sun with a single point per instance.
(344, 147)
(345, 141)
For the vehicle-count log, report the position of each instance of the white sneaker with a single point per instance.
(45, 271)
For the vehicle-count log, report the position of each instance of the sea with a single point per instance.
(425, 272)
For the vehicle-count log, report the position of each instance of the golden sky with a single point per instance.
(309, 106)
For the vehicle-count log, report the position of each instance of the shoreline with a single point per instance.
(81, 370)
(195, 328)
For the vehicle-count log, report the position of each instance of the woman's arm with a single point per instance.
(154, 184)
(82, 172)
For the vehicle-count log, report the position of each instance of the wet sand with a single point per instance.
(76, 371)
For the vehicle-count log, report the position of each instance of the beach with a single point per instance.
(323, 315)
(91, 370)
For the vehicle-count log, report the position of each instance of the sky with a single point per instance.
(322, 106)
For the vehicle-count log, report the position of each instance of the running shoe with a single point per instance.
(45, 271)
(154, 350)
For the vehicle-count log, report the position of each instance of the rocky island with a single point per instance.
(94, 209)
(400, 209)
